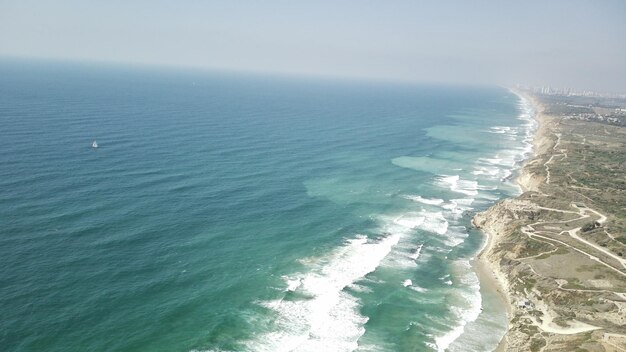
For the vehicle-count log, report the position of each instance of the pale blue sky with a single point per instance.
(579, 44)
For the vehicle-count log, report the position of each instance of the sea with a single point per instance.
(229, 211)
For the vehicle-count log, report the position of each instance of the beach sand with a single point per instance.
(494, 282)
(491, 278)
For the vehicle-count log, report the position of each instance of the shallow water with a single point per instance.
(232, 213)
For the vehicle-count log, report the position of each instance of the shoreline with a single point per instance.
(529, 236)
(487, 271)
(493, 280)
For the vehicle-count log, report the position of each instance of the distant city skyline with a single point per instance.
(577, 44)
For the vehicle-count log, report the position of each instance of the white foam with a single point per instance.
(406, 252)
(496, 130)
(409, 220)
(456, 207)
(486, 170)
(292, 284)
(399, 259)
(424, 220)
(456, 184)
(502, 130)
(491, 161)
(466, 300)
(418, 289)
(449, 180)
(330, 319)
(500, 166)
(468, 308)
(416, 253)
(429, 201)
(359, 288)
(434, 222)
(507, 174)
(456, 235)
(465, 202)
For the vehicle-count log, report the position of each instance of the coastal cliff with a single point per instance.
(564, 285)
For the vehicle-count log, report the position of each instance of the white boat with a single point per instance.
(94, 144)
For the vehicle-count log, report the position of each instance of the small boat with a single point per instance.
(94, 144)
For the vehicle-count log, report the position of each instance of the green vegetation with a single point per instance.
(589, 226)
(533, 247)
(529, 283)
(536, 344)
(591, 169)
(577, 209)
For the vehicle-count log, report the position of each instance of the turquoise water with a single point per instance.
(224, 212)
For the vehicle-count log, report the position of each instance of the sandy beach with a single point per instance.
(487, 270)
(492, 280)
(529, 237)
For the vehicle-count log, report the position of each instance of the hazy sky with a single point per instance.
(579, 44)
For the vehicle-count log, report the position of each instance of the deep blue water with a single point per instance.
(234, 212)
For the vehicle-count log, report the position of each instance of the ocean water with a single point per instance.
(229, 212)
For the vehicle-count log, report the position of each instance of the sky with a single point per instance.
(576, 44)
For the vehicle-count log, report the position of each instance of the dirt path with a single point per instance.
(592, 257)
(609, 338)
(582, 211)
(573, 234)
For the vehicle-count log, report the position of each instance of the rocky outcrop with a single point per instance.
(503, 216)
